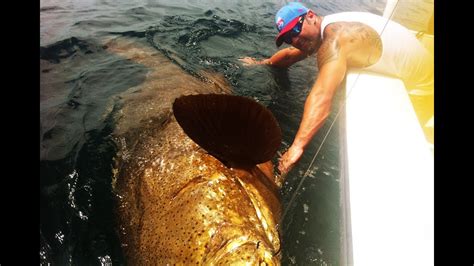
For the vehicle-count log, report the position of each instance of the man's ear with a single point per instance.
(310, 14)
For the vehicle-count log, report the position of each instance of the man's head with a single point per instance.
(297, 25)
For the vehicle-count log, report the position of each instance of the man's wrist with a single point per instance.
(265, 62)
(298, 145)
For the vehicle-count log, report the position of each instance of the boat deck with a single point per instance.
(387, 187)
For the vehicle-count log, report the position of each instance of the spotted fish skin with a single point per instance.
(180, 205)
(176, 204)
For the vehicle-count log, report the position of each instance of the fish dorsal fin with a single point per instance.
(235, 129)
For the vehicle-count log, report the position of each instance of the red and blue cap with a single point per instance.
(287, 17)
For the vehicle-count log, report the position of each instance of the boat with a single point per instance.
(387, 160)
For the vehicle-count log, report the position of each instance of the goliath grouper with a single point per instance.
(203, 196)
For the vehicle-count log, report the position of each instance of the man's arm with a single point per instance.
(332, 69)
(283, 58)
(318, 103)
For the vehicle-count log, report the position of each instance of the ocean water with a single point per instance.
(80, 83)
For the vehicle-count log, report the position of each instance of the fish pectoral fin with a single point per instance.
(235, 129)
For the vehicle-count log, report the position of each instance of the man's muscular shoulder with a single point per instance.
(330, 49)
(358, 42)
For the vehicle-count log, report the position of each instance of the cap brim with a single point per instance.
(287, 28)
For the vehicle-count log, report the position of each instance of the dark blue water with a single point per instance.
(80, 84)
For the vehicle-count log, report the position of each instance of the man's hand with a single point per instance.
(289, 159)
(250, 61)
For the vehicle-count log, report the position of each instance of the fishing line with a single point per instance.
(329, 130)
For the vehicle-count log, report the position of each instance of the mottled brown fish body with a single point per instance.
(183, 206)
(177, 204)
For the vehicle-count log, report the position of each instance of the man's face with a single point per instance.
(309, 37)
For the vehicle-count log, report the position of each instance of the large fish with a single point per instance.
(203, 196)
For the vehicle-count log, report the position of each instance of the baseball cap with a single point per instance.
(287, 17)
